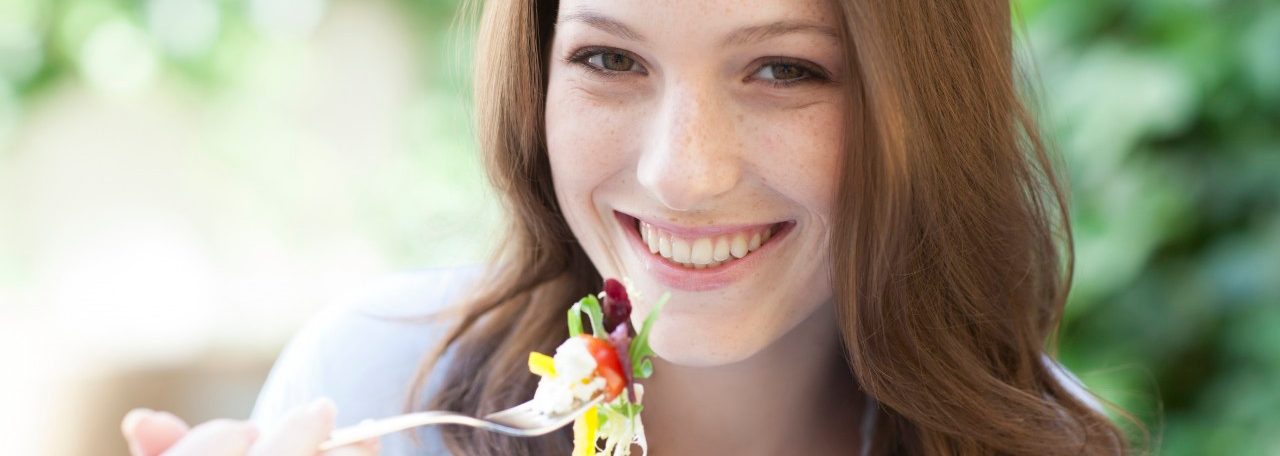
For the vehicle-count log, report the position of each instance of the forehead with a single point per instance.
(695, 20)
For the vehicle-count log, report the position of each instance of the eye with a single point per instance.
(783, 73)
(606, 61)
(612, 61)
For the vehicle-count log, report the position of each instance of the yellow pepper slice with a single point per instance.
(542, 365)
(584, 433)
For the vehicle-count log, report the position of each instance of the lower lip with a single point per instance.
(673, 275)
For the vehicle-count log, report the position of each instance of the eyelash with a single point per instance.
(812, 73)
(581, 56)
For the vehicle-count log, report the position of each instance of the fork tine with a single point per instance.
(519, 409)
(525, 416)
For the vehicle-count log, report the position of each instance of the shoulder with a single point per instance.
(363, 351)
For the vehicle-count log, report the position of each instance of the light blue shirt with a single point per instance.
(363, 354)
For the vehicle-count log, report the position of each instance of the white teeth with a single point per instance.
(680, 250)
(739, 246)
(702, 253)
(721, 251)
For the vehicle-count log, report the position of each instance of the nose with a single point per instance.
(693, 155)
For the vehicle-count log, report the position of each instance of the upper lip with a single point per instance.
(694, 232)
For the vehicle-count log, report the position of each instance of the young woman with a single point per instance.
(862, 233)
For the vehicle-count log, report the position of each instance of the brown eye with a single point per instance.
(782, 72)
(612, 61)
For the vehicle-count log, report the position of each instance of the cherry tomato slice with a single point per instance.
(608, 365)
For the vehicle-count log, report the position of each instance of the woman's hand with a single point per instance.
(152, 433)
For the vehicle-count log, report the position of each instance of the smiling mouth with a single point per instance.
(711, 248)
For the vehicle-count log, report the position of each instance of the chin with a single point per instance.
(695, 344)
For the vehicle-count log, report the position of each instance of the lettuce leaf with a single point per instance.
(641, 364)
(575, 319)
(591, 306)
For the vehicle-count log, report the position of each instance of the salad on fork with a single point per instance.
(605, 362)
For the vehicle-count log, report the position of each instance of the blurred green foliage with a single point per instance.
(1167, 113)
(220, 53)
(206, 43)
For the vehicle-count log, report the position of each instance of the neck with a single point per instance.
(794, 397)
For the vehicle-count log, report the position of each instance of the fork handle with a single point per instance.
(368, 429)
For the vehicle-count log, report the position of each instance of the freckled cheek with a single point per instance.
(587, 140)
(798, 155)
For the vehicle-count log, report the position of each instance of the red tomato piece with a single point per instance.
(608, 366)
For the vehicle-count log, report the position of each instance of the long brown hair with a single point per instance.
(952, 249)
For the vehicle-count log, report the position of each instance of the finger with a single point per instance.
(369, 447)
(216, 438)
(301, 431)
(149, 433)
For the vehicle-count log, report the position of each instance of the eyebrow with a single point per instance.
(758, 33)
(603, 23)
(745, 35)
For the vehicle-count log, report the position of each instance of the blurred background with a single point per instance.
(184, 182)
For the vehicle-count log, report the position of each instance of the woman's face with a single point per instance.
(695, 148)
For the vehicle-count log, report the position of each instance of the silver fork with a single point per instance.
(520, 421)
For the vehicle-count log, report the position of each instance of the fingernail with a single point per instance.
(134, 417)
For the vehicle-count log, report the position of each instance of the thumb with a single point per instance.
(150, 433)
